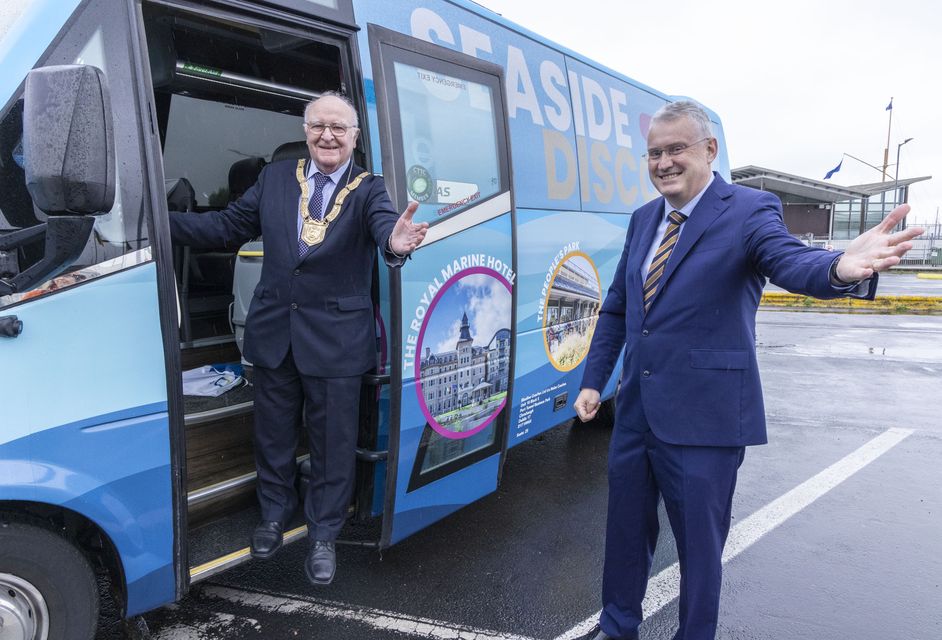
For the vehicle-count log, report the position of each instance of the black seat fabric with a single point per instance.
(181, 196)
(291, 151)
(204, 276)
(243, 174)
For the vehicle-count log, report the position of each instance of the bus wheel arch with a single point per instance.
(71, 544)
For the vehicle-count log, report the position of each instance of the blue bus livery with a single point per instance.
(524, 157)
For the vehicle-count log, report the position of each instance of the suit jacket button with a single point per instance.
(294, 306)
(644, 332)
(297, 272)
(646, 373)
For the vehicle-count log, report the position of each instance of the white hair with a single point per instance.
(343, 98)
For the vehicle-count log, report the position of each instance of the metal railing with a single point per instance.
(926, 251)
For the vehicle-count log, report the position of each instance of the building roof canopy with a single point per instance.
(814, 190)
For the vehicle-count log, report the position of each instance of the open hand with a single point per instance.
(877, 249)
(407, 235)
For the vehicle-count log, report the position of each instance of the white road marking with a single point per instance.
(664, 587)
(220, 627)
(382, 620)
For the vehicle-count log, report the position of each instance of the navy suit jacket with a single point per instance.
(319, 305)
(689, 369)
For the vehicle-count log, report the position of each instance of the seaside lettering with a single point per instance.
(606, 172)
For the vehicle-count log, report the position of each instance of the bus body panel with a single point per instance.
(577, 132)
(449, 465)
(86, 425)
(577, 129)
(558, 248)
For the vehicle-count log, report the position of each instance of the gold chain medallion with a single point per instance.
(313, 231)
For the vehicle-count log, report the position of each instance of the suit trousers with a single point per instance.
(329, 408)
(697, 485)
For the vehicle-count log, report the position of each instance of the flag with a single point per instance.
(834, 170)
(889, 107)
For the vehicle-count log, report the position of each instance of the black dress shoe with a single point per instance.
(321, 563)
(266, 539)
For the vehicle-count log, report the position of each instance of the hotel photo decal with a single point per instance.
(570, 310)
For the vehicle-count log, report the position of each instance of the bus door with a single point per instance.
(229, 88)
(442, 124)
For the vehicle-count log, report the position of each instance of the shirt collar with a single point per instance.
(688, 208)
(335, 177)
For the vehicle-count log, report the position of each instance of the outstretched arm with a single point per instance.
(407, 235)
(877, 249)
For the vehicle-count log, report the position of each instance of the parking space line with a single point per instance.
(663, 588)
(220, 627)
(382, 620)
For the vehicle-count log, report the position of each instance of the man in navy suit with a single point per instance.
(682, 304)
(310, 329)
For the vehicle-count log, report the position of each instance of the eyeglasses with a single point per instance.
(653, 155)
(339, 130)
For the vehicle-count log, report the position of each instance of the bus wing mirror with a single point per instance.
(68, 153)
(68, 140)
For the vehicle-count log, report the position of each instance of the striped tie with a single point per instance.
(656, 270)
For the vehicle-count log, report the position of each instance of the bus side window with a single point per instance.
(120, 237)
(448, 167)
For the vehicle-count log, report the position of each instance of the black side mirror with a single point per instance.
(68, 140)
(68, 148)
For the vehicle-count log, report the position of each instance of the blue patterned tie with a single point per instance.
(314, 207)
(656, 270)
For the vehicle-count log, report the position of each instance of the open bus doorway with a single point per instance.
(229, 95)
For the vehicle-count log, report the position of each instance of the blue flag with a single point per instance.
(889, 107)
(834, 170)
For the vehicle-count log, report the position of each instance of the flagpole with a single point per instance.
(886, 149)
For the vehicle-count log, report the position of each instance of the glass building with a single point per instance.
(813, 208)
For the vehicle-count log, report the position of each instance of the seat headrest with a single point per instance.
(291, 151)
(180, 194)
(243, 174)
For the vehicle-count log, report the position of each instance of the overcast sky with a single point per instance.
(796, 84)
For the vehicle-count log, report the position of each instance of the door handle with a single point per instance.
(10, 326)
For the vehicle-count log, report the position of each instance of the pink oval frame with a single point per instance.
(443, 431)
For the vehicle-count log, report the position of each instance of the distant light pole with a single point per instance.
(896, 180)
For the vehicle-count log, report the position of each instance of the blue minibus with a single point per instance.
(524, 157)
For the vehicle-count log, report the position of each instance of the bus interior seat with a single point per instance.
(243, 174)
(211, 269)
(291, 151)
(181, 196)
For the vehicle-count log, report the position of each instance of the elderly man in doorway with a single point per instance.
(310, 330)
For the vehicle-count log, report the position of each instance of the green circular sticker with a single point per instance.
(419, 183)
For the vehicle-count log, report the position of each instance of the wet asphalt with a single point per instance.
(862, 562)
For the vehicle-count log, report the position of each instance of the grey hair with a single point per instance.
(685, 109)
(340, 96)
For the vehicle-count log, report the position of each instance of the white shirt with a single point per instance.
(687, 209)
(329, 188)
